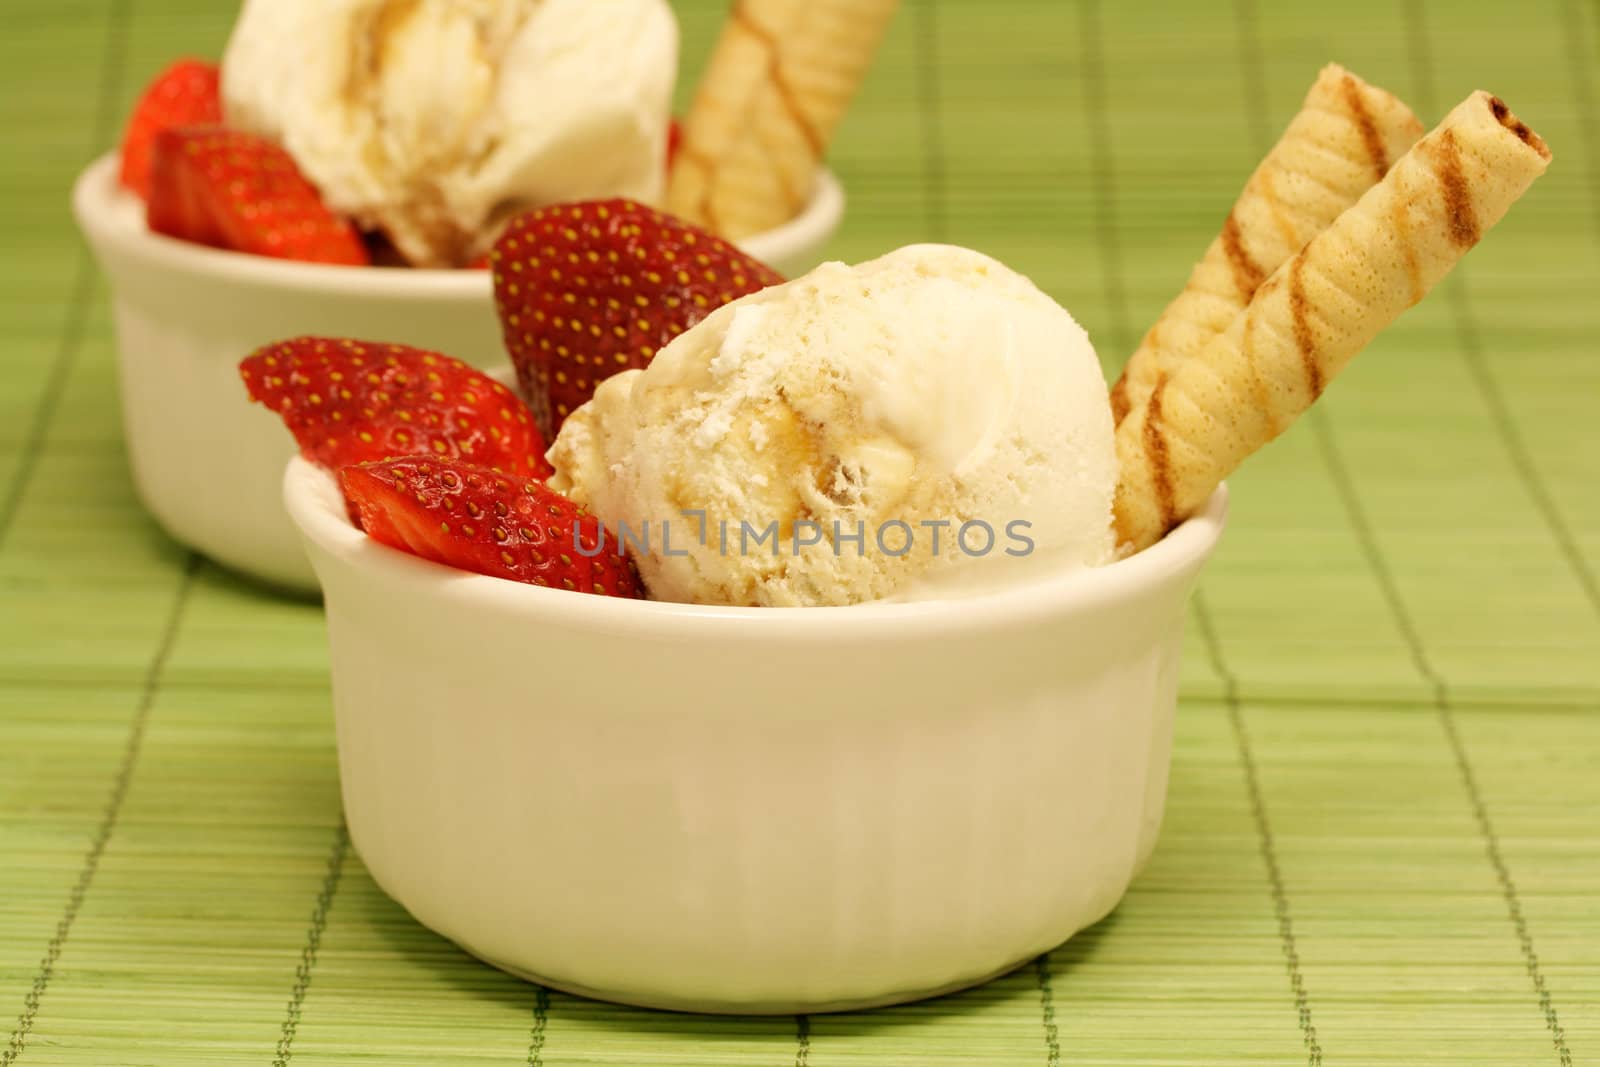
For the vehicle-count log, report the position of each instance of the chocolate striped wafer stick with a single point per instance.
(781, 76)
(1311, 317)
(1338, 146)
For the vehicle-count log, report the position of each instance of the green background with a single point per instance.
(1383, 834)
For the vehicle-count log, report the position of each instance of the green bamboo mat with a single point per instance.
(1383, 834)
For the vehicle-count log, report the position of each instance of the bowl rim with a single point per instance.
(102, 212)
(317, 509)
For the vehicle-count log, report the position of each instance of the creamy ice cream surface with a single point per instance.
(922, 421)
(435, 120)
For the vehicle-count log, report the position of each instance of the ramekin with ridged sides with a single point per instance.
(750, 810)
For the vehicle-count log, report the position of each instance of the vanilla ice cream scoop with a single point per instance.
(436, 120)
(924, 421)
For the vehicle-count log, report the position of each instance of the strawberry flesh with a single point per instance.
(480, 520)
(185, 94)
(354, 401)
(227, 189)
(590, 289)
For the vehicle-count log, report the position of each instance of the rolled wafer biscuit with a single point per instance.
(1307, 321)
(779, 80)
(1340, 143)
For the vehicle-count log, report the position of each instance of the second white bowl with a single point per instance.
(207, 463)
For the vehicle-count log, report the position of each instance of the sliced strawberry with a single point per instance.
(353, 401)
(587, 290)
(480, 520)
(185, 94)
(227, 189)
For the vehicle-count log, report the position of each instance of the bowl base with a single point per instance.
(669, 1002)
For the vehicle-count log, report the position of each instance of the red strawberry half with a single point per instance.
(184, 94)
(353, 401)
(480, 520)
(227, 189)
(587, 290)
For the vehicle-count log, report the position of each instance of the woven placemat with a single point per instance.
(1383, 833)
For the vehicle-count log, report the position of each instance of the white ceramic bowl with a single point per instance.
(749, 809)
(207, 463)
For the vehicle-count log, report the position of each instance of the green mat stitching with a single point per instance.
(1253, 80)
(308, 954)
(1471, 345)
(1047, 1007)
(1102, 168)
(929, 94)
(85, 277)
(1263, 827)
(1257, 111)
(1511, 438)
(1423, 79)
(541, 1018)
(1583, 94)
(1472, 355)
(108, 822)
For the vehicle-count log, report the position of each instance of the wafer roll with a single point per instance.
(1307, 321)
(1338, 146)
(778, 82)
